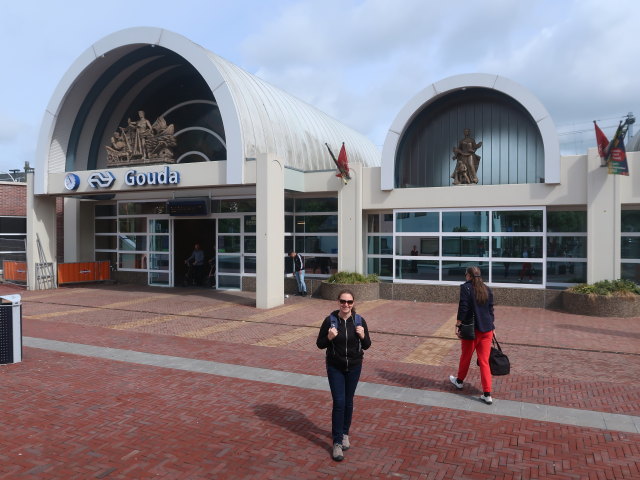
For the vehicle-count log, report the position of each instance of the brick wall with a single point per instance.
(13, 199)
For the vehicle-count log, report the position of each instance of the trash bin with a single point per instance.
(10, 329)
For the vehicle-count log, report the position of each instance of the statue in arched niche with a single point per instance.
(467, 161)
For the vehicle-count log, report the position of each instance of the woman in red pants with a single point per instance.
(476, 301)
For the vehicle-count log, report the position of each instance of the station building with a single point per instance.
(156, 144)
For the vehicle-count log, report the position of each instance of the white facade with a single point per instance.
(271, 151)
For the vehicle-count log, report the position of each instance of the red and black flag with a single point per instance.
(342, 163)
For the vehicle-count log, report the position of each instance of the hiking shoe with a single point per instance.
(345, 442)
(454, 380)
(337, 453)
(486, 399)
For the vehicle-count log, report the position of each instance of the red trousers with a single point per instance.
(482, 346)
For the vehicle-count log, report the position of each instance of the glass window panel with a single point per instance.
(566, 221)
(132, 260)
(288, 204)
(233, 206)
(318, 265)
(111, 257)
(465, 246)
(159, 261)
(316, 224)
(424, 246)
(517, 221)
(567, 247)
(630, 221)
(288, 223)
(142, 208)
(105, 210)
(454, 271)
(228, 281)
(566, 272)
(159, 226)
(387, 223)
(228, 225)
(299, 245)
(630, 247)
(417, 222)
(517, 247)
(380, 245)
(465, 221)
(317, 204)
(107, 242)
(250, 244)
(527, 272)
(249, 224)
(373, 223)
(158, 278)
(288, 244)
(249, 264)
(228, 243)
(630, 271)
(132, 242)
(13, 244)
(106, 226)
(504, 272)
(159, 243)
(133, 225)
(13, 225)
(417, 269)
(229, 263)
(312, 244)
(383, 267)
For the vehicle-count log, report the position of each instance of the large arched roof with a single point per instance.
(258, 118)
(459, 82)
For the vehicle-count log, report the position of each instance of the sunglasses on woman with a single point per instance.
(348, 302)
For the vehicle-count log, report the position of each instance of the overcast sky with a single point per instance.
(359, 61)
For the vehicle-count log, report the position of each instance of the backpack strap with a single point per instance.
(334, 321)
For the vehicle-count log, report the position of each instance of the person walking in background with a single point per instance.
(345, 336)
(476, 301)
(197, 260)
(297, 263)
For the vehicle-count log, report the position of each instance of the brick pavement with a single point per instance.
(66, 416)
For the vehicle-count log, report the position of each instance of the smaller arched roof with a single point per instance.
(258, 118)
(436, 90)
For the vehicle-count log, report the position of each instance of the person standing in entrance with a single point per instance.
(197, 260)
(345, 336)
(476, 301)
(297, 263)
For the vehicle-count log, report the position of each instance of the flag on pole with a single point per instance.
(342, 163)
(617, 155)
(602, 141)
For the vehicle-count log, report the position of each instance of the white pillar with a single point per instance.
(79, 234)
(603, 221)
(269, 232)
(41, 224)
(350, 247)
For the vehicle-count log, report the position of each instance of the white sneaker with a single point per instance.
(337, 453)
(454, 380)
(345, 442)
(486, 399)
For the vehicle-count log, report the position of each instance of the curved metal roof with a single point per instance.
(634, 143)
(258, 118)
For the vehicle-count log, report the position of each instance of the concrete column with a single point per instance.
(41, 224)
(79, 234)
(603, 221)
(350, 246)
(269, 232)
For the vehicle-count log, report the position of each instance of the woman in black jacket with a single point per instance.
(345, 335)
(476, 304)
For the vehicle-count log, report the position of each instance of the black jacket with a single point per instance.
(345, 351)
(468, 306)
(297, 263)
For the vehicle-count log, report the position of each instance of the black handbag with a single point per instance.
(467, 331)
(498, 361)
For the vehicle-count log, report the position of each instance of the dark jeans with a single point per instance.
(343, 388)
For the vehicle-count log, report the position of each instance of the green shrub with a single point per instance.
(620, 287)
(353, 277)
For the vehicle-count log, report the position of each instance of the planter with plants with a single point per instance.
(364, 287)
(607, 298)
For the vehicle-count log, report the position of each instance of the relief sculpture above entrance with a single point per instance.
(141, 143)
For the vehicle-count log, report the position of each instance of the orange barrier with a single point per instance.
(14, 271)
(83, 272)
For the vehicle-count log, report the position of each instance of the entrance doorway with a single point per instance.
(186, 234)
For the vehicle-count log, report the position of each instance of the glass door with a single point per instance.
(159, 256)
(229, 253)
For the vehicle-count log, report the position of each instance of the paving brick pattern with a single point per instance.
(64, 416)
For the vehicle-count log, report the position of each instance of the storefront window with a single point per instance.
(316, 224)
(465, 221)
(380, 245)
(228, 225)
(317, 204)
(417, 222)
(563, 221)
(418, 270)
(132, 225)
(465, 246)
(518, 247)
(517, 221)
(233, 205)
(454, 271)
